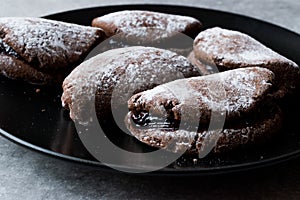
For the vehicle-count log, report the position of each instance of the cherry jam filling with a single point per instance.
(146, 120)
(6, 49)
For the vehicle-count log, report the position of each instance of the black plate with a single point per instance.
(33, 116)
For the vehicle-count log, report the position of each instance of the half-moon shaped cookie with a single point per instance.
(43, 51)
(147, 28)
(164, 116)
(228, 50)
(133, 22)
(119, 73)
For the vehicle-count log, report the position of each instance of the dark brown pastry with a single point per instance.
(228, 50)
(132, 22)
(43, 51)
(120, 73)
(205, 69)
(181, 111)
(134, 27)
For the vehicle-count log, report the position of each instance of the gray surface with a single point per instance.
(282, 12)
(25, 174)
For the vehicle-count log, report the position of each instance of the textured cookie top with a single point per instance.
(181, 110)
(46, 43)
(136, 23)
(232, 48)
(234, 92)
(124, 71)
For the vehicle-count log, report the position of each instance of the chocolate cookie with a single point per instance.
(228, 50)
(181, 111)
(119, 73)
(134, 27)
(43, 51)
(205, 69)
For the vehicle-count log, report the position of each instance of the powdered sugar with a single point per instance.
(49, 43)
(243, 88)
(142, 24)
(233, 91)
(234, 47)
(126, 70)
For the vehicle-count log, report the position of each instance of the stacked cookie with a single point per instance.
(251, 82)
(171, 99)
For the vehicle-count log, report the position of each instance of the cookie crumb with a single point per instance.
(195, 161)
(261, 157)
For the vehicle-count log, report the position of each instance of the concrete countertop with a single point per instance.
(26, 174)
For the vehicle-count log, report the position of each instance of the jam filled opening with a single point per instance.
(146, 120)
(6, 49)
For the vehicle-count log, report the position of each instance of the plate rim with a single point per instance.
(165, 171)
(174, 6)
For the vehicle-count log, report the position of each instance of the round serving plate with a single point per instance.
(33, 116)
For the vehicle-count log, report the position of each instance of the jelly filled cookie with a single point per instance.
(135, 27)
(43, 51)
(228, 50)
(120, 73)
(176, 115)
